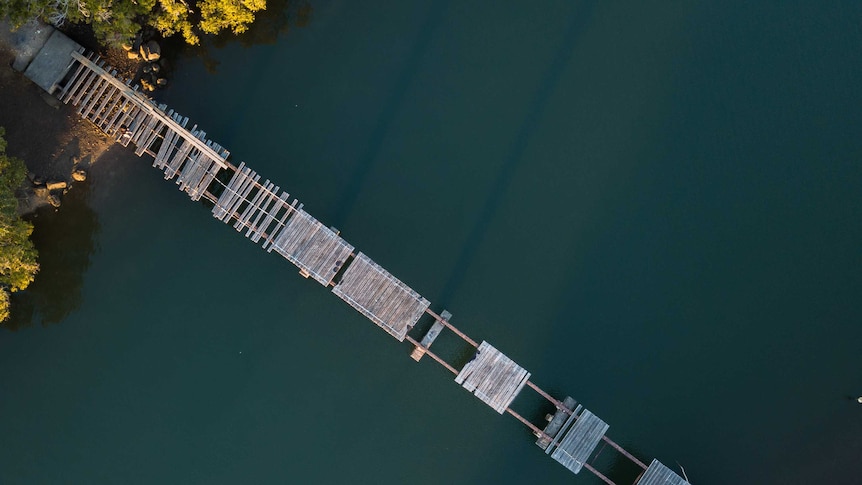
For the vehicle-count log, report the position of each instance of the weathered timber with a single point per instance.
(312, 247)
(559, 418)
(381, 297)
(147, 105)
(276, 205)
(492, 377)
(658, 474)
(430, 336)
(231, 192)
(579, 440)
(71, 82)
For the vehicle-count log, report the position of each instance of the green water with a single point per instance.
(652, 206)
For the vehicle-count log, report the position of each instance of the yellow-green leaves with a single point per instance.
(233, 15)
(18, 264)
(173, 17)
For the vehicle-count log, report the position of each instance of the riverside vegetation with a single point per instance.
(18, 264)
(114, 23)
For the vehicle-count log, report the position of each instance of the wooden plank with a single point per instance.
(109, 106)
(124, 136)
(279, 226)
(312, 247)
(209, 174)
(122, 118)
(71, 82)
(265, 215)
(136, 117)
(568, 420)
(114, 99)
(264, 199)
(99, 86)
(76, 90)
(145, 128)
(556, 422)
(579, 442)
(83, 86)
(146, 105)
(190, 170)
(658, 474)
(250, 208)
(145, 141)
(430, 336)
(381, 297)
(87, 82)
(169, 145)
(74, 87)
(87, 107)
(492, 377)
(435, 329)
(249, 182)
(278, 204)
(230, 192)
(173, 167)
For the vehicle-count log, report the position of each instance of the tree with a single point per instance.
(117, 21)
(173, 17)
(18, 264)
(233, 15)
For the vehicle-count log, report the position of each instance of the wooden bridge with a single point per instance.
(267, 216)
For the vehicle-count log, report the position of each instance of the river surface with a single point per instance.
(652, 206)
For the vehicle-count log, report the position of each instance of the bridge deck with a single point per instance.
(579, 441)
(492, 377)
(658, 474)
(381, 297)
(316, 249)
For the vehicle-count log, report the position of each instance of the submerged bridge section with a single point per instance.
(267, 216)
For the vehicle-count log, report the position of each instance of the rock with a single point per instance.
(147, 69)
(58, 185)
(51, 101)
(54, 200)
(155, 67)
(37, 180)
(147, 85)
(151, 51)
(133, 55)
(161, 82)
(126, 46)
(79, 175)
(31, 176)
(40, 192)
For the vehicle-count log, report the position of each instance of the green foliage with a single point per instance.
(117, 21)
(20, 11)
(233, 15)
(18, 264)
(173, 17)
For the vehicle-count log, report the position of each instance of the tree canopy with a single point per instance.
(116, 21)
(18, 264)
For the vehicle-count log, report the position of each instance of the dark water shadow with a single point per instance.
(550, 80)
(65, 239)
(277, 20)
(388, 112)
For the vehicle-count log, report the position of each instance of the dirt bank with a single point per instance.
(48, 135)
